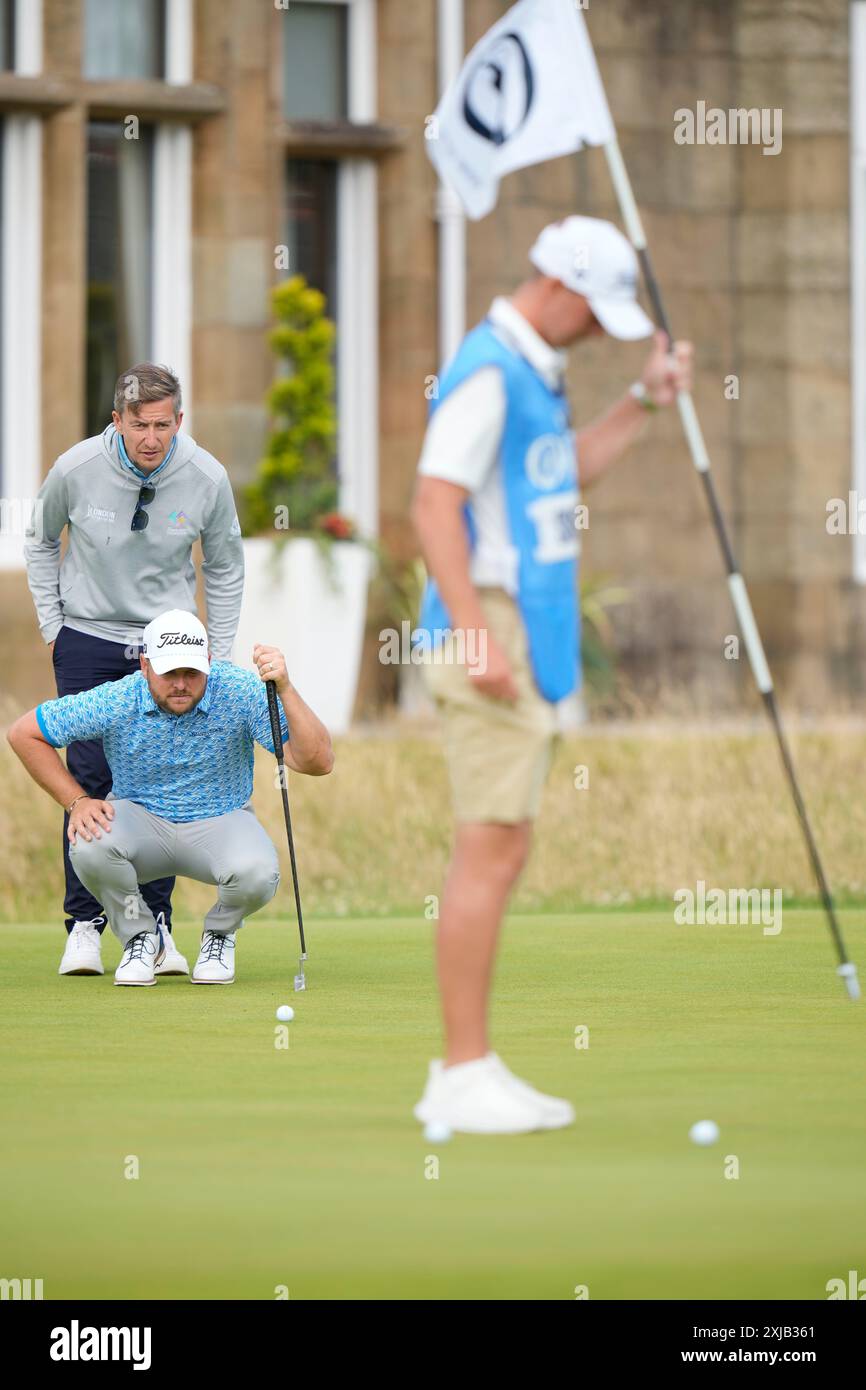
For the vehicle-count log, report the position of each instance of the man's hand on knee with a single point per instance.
(86, 818)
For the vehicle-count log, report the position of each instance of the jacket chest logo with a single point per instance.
(100, 513)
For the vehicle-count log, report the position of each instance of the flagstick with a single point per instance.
(736, 584)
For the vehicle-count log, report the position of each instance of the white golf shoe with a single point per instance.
(554, 1106)
(216, 959)
(82, 955)
(475, 1098)
(173, 962)
(140, 957)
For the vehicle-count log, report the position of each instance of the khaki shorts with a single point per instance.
(498, 754)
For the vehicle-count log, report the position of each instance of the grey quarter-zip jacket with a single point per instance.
(113, 580)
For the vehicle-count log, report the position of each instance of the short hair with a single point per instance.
(145, 383)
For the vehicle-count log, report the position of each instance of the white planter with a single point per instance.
(314, 611)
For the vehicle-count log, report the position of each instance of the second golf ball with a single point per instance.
(285, 1013)
(704, 1132)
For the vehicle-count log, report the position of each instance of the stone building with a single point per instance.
(260, 123)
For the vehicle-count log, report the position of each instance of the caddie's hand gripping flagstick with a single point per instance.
(739, 593)
(270, 686)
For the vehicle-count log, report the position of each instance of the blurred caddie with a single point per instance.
(495, 509)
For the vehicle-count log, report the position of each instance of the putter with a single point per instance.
(300, 979)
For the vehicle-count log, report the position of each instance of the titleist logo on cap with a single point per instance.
(175, 639)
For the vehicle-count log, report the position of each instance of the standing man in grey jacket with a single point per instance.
(133, 501)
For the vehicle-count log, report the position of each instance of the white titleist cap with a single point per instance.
(176, 639)
(594, 259)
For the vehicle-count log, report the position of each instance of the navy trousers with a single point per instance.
(81, 662)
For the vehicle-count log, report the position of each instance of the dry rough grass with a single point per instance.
(662, 809)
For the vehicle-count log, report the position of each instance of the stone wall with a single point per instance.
(751, 252)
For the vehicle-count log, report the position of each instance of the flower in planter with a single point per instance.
(337, 526)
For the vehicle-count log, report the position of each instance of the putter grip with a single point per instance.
(274, 712)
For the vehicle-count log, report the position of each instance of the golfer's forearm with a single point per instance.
(309, 741)
(44, 765)
(445, 546)
(607, 439)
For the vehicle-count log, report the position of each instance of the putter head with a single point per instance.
(300, 978)
(848, 971)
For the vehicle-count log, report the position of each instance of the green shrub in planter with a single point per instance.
(296, 472)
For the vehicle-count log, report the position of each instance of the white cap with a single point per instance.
(176, 639)
(594, 259)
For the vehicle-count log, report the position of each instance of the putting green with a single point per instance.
(305, 1168)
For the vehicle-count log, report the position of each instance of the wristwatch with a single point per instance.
(642, 396)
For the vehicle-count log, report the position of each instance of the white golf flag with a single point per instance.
(530, 90)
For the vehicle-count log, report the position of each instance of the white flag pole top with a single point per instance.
(529, 91)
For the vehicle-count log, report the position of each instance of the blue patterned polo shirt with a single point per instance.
(181, 767)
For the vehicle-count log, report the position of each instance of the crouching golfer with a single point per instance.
(179, 738)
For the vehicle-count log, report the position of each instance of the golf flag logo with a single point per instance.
(529, 91)
(498, 94)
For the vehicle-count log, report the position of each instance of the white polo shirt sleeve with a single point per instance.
(464, 435)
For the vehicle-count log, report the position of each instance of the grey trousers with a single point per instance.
(232, 851)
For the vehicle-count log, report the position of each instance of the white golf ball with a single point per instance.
(704, 1132)
(437, 1133)
(285, 1013)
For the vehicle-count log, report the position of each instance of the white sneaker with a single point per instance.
(558, 1109)
(216, 959)
(474, 1098)
(82, 954)
(173, 962)
(140, 957)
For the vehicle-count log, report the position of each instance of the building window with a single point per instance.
(310, 219)
(7, 41)
(124, 40)
(328, 74)
(310, 230)
(20, 322)
(314, 62)
(119, 260)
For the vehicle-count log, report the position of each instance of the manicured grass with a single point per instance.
(306, 1168)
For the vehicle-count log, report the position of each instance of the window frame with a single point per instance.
(172, 268)
(10, 27)
(21, 272)
(357, 245)
(161, 44)
(148, 132)
(346, 6)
